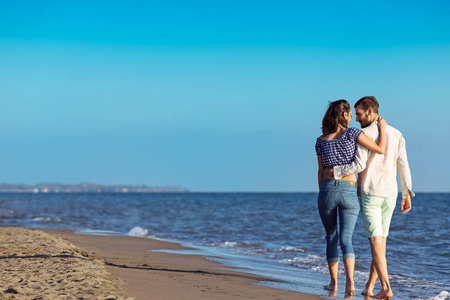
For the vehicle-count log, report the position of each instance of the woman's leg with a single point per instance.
(328, 215)
(348, 214)
(349, 264)
(333, 268)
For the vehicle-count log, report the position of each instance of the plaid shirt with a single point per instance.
(339, 151)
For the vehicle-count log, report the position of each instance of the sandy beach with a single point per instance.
(58, 264)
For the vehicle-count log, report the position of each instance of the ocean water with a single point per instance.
(274, 234)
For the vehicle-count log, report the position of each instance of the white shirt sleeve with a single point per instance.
(404, 173)
(357, 166)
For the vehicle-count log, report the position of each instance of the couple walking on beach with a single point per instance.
(342, 152)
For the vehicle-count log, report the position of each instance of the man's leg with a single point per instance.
(370, 284)
(373, 275)
(378, 248)
(377, 214)
(372, 217)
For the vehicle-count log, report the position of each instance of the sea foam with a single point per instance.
(444, 295)
(138, 231)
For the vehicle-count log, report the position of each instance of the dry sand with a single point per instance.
(58, 264)
(37, 265)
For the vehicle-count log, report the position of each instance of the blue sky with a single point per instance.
(213, 96)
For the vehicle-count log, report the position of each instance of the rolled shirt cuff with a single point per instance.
(337, 172)
(405, 191)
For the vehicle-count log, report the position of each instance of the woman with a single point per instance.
(337, 146)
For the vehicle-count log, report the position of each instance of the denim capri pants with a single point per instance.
(338, 198)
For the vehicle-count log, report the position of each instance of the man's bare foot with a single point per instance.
(384, 294)
(332, 287)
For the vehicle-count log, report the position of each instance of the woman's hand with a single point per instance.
(367, 142)
(381, 123)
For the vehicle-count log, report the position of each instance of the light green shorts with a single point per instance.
(377, 214)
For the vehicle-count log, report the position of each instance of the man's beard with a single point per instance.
(365, 122)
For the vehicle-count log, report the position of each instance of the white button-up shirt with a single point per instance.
(377, 172)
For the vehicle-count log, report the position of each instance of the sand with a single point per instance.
(58, 264)
(37, 265)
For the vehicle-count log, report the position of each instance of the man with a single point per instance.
(377, 188)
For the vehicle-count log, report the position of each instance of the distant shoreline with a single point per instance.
(87, 188)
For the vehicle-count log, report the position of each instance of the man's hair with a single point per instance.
(368, 101)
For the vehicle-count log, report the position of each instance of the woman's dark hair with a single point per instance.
(335, 116)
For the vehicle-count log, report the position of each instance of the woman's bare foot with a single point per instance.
(332, 287)
(350, 291)
(349, 296)
(384, 294)
(350, 288)
(368, 291)
(332, 294)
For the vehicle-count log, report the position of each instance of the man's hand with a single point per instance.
(406, 204)
(328, 173)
